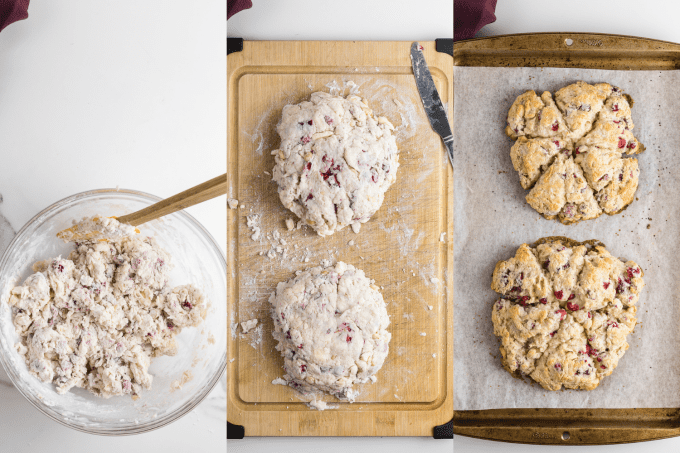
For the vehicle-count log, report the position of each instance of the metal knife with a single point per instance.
(431, 100)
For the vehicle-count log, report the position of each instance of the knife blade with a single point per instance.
(434, 108)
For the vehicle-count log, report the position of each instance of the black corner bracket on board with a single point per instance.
(444, 431)
(237, 431)
(236, 45)
(444, 45)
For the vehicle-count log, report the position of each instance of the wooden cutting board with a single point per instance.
(400, 247)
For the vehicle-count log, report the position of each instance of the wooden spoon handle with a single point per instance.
(198, 194)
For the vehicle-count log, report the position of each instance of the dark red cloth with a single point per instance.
(12, 11)
(234, 6)
(469, 16)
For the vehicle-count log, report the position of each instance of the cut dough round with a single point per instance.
(565, 311)
(335, 162)
(331, 325)
(582, 134)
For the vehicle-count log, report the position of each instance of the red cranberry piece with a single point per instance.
(303, 368)
(282, 316)
(301, 346)
(288, 335)
(552, 334)
(606, 285)
(558, 366)
(555, 126)
(562, 314)
(349, 339)
(515, 288)
(576, 150)
(622, 143)
(603, 367)
(543, 301)
(309, 197)
(559, 294)
(309, 165)
(521, 276)
(328, 119)
(571, 297)
(619, 287)
(589, 315)
(309, 122)
(557, 143)
(599, 359)
(187, 305)
(305, 140)
(631, 145)
(615, 108)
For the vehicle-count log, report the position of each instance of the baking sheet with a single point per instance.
(492, 219)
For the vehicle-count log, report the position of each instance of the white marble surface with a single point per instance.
(399, 20)
(655, 19)
(104, 94)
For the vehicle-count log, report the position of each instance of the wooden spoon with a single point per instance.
(198, 194)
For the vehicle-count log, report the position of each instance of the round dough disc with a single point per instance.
(331, 325)
(335, 162)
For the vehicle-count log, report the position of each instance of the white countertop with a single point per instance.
(105, 94)
(655, 19)
(376, 20)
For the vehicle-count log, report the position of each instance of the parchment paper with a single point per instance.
(492, 219)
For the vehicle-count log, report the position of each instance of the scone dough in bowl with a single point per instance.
(569, 150)
(565, 311)
(335, 162)
(331, 327)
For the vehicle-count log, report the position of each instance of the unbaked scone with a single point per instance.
(584, 132)
(565, 311)
(331, 327)
(335, 162)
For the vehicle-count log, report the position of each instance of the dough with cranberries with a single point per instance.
(565, 311)
(568, 150)
(331, 326)
(335, 162)
(96, 319)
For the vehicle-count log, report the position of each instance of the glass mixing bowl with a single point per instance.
(201, 350)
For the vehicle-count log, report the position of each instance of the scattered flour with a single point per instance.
(247, 325)
(253, 222)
